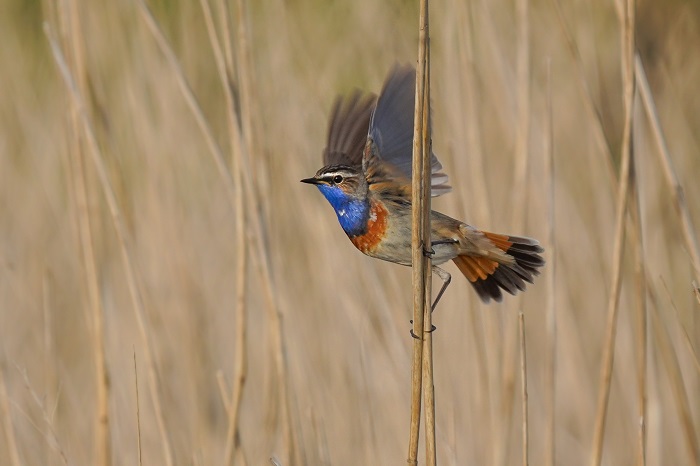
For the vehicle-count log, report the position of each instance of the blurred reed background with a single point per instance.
(140, 256)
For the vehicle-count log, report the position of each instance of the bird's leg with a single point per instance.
(444, 276)
(446, 279)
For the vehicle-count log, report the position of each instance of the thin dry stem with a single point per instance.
(320, 439)
(246, 79)
(519, 202)
(8, 427)
(518, 219)
(627, 31)
(680, 396)
(420, 217)
(50, 434)
(686, 337)
(223, 391)
(523, 387)
(274, 314)
(473, 122)
(548, 154)
(509, 374)
(587, 96)
(71, 27)
(251, 130)
(482, 211)
(50, 359)
(138, 410)
(249, 142)
(641, 311)
(240, 338)
(428, 380)
(689, 236)
(134, 285)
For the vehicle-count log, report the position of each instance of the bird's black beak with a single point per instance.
(311, 180)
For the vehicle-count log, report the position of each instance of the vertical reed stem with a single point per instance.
(420, 241)
(550, 440)
(641, 308)
(133, 283)
(428, 384)
(627, 31)
(10, 439)
(689, 236)
(75, 56)
(237, 147)
(523, 387)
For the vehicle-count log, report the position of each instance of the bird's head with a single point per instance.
(340, 184)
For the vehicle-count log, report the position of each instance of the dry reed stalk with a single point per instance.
(522, 138)
(71, 27)
(689, 236)
(523, 388)
(673, 369)
(10, 440)
(587, 96)
(190, 99)
(509, 356)
(272, 308)
(240, 370)
(518, 218)
(627, 35)
(251, 128)
(50, 358)
(420, 239)
(473, 127)
(223, 390)
(138, 410)
(550, 374)
(50, 436)
(133, 284)
(479, 195)
(246, 79)
(688, 343)
(637, 237)
(501, 89)
(320, 440)
(428, 380)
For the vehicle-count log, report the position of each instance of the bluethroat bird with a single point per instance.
(367, 180)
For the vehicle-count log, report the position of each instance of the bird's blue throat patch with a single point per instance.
(352, 212)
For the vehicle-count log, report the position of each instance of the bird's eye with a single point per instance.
(337, 179)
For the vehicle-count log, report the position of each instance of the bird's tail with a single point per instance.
(491, 273)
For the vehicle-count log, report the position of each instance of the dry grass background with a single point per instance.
(344, 317)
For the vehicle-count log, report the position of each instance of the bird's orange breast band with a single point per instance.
(376, 228)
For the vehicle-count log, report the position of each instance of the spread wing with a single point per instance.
(391, 131)
(347, 129)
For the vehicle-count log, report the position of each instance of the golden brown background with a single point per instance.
(338, 389)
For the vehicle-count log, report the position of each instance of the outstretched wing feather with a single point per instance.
(348, 128)
(391, 129)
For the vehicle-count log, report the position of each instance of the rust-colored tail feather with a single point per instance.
(489, 277)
